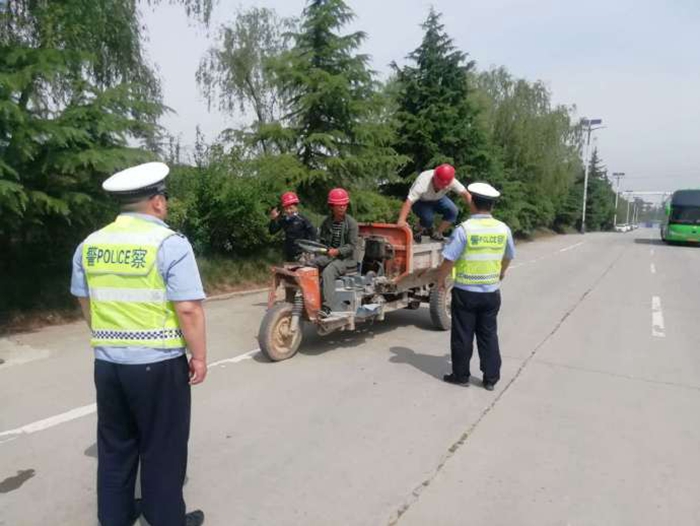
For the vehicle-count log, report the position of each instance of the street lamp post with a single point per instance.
(618, 176)
(588, 123)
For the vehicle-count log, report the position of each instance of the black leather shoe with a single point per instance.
(452, 379)
(489, 386)
(417, 235)
(437, 236)
(194, 518)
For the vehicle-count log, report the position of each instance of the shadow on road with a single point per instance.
(645, 241)
(435, 366)
(315, 344)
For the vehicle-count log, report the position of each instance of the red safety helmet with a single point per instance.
(443, 175)
(338, 196)
(289, 198)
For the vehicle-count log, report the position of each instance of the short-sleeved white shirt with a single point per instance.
(423, 189)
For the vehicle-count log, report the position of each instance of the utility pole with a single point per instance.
(627, 222)
(588, 123)
(618, 176)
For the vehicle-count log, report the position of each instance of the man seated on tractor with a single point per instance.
(340, 233)
(428, 195)
(295, 226)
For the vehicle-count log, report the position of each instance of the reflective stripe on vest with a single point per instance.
(128, 301)
(480, 262)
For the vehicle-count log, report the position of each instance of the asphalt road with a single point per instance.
(596, 420)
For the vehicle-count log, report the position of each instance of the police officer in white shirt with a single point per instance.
(428, 195)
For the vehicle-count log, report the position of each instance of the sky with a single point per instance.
(635, 64)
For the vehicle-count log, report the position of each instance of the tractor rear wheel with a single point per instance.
(441, 307)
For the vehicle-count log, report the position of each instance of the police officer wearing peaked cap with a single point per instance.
(479, 252)
(140, 291)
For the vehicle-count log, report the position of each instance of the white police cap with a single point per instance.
(144, 180)
(483, 190)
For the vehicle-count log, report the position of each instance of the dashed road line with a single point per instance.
(565, 249)
(657, 318)
(46, 423)
(537, 260)
(653, 268)
(236, 359)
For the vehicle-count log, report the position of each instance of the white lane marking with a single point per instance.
(47, 423)
(79, 412)
(571, 247)
(653, 268)
(537, 260)
(235, 359)
(657, 318)
(651, 251)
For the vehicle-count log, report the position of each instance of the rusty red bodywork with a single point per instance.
(400, 238)
(295, 277)
(306, 279)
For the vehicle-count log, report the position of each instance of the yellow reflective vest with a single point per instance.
(480, 262)
(128, 303)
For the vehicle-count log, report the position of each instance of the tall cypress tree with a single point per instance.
(437, 117)
(332, 119)
(600, 199)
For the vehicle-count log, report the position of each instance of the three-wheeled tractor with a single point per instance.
(394, 273)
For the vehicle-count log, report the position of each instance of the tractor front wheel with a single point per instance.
(277, 339)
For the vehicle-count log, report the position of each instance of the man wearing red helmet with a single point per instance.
(340, 232)
(428, 195)
(295, 225)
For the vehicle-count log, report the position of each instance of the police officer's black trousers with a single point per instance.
(143, 416)
(475, 313)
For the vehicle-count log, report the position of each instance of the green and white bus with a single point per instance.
(682, 221)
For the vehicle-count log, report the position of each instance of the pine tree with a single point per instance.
(333, 122)
(600, 199)
(437, 117)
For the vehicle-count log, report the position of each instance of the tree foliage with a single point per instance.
(534, 146)
(235, 72)
(437, 116)
(600, 199)
(78, 101)
(333, 121)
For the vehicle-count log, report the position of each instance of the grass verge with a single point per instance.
(219, 276)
